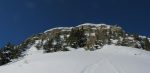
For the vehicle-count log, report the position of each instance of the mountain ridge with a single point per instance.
(88, 36)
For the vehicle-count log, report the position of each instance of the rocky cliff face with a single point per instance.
(88, 36)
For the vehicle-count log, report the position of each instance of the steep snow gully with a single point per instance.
(109, 59)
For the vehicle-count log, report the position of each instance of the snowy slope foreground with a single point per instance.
(109, 59)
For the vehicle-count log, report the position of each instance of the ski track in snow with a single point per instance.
(94, 68)
(107, 64)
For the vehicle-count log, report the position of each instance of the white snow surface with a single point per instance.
(61, 28)
(96, 25)
(85, 24)
(109, 59)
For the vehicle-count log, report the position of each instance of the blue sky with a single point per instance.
(20, 19)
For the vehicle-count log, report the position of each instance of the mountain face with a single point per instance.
(88, 36)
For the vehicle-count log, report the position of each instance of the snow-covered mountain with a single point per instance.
(86, 48)
(88, 35)
(109, 59)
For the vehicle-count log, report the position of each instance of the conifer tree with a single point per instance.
(81, 38)
(77, 38)
(7, 53)
(146, 44)
(48, 46)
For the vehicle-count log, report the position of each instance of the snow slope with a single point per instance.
(109, 59)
